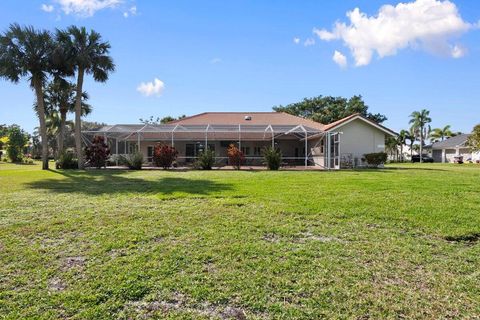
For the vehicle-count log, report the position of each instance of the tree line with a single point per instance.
(55, 65)
(328, 109)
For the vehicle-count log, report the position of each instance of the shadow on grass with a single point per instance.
(115, 182)
(413, 168)
(392, 169)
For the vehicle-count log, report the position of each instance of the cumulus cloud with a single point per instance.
(152, 88)
(430, 25)
(340, 59)
(296, 40)
(86, 8)
(309, 42)
(47, 7)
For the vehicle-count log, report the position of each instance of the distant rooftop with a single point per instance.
(247, 118)
(451, 143)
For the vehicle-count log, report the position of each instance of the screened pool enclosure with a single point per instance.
(300, 145)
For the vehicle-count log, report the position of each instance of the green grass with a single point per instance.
(394, 243)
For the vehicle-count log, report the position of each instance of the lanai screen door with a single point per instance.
(335, 151)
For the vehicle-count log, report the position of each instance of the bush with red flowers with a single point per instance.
(235, 156)
(164, 155)
(97, 153)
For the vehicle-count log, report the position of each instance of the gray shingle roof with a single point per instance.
(451, 143)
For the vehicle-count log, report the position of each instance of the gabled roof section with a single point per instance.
(452, 143)
(339, 123)
(255, 118)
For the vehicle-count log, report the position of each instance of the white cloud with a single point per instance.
(47, 7)
(309, 42)
(154, 87)
(340, 59)
(430, 25)
(458, 51)
(215, 61)
(296, 40)
(132, 11)
(86, 8)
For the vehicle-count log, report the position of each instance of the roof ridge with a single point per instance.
(340, 121)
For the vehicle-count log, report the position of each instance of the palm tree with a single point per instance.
(60, 96)
(52, 122)
(87, 54)
(419, 120)
(411, 137)
(26, 52)
(401, 140)
(441, 133)
(391, 146)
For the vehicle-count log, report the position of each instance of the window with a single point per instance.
(246, 150)
(192, 150)
(257, 151)
(322, 146)
(150, 154)
(132, 148)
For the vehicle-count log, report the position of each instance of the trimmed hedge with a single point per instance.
(376, 159)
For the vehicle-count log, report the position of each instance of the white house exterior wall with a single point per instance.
(359, 138)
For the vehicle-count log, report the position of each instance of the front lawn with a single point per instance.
(402, 242)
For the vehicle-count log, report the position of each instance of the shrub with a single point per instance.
(164, 155)
(3, 139)
(134, 161)
(114, 158)
(272, 157)
(235, 156)
(28, 161)
(17, 139)
(97, 154)
(205, 160)
(376, 159)
(67, 160)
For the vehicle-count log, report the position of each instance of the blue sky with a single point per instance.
(243, 56)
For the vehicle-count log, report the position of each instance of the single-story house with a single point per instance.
(302, 142)
(446, 150)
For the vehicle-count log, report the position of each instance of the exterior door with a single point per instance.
(150, 153)
(189, 152)
(335, 151)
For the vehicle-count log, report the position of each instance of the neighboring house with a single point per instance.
(302, 142)
(445, 151)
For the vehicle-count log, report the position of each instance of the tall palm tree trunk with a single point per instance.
(78, 119)
(421, 144)
(43, 127)
(61, 136)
